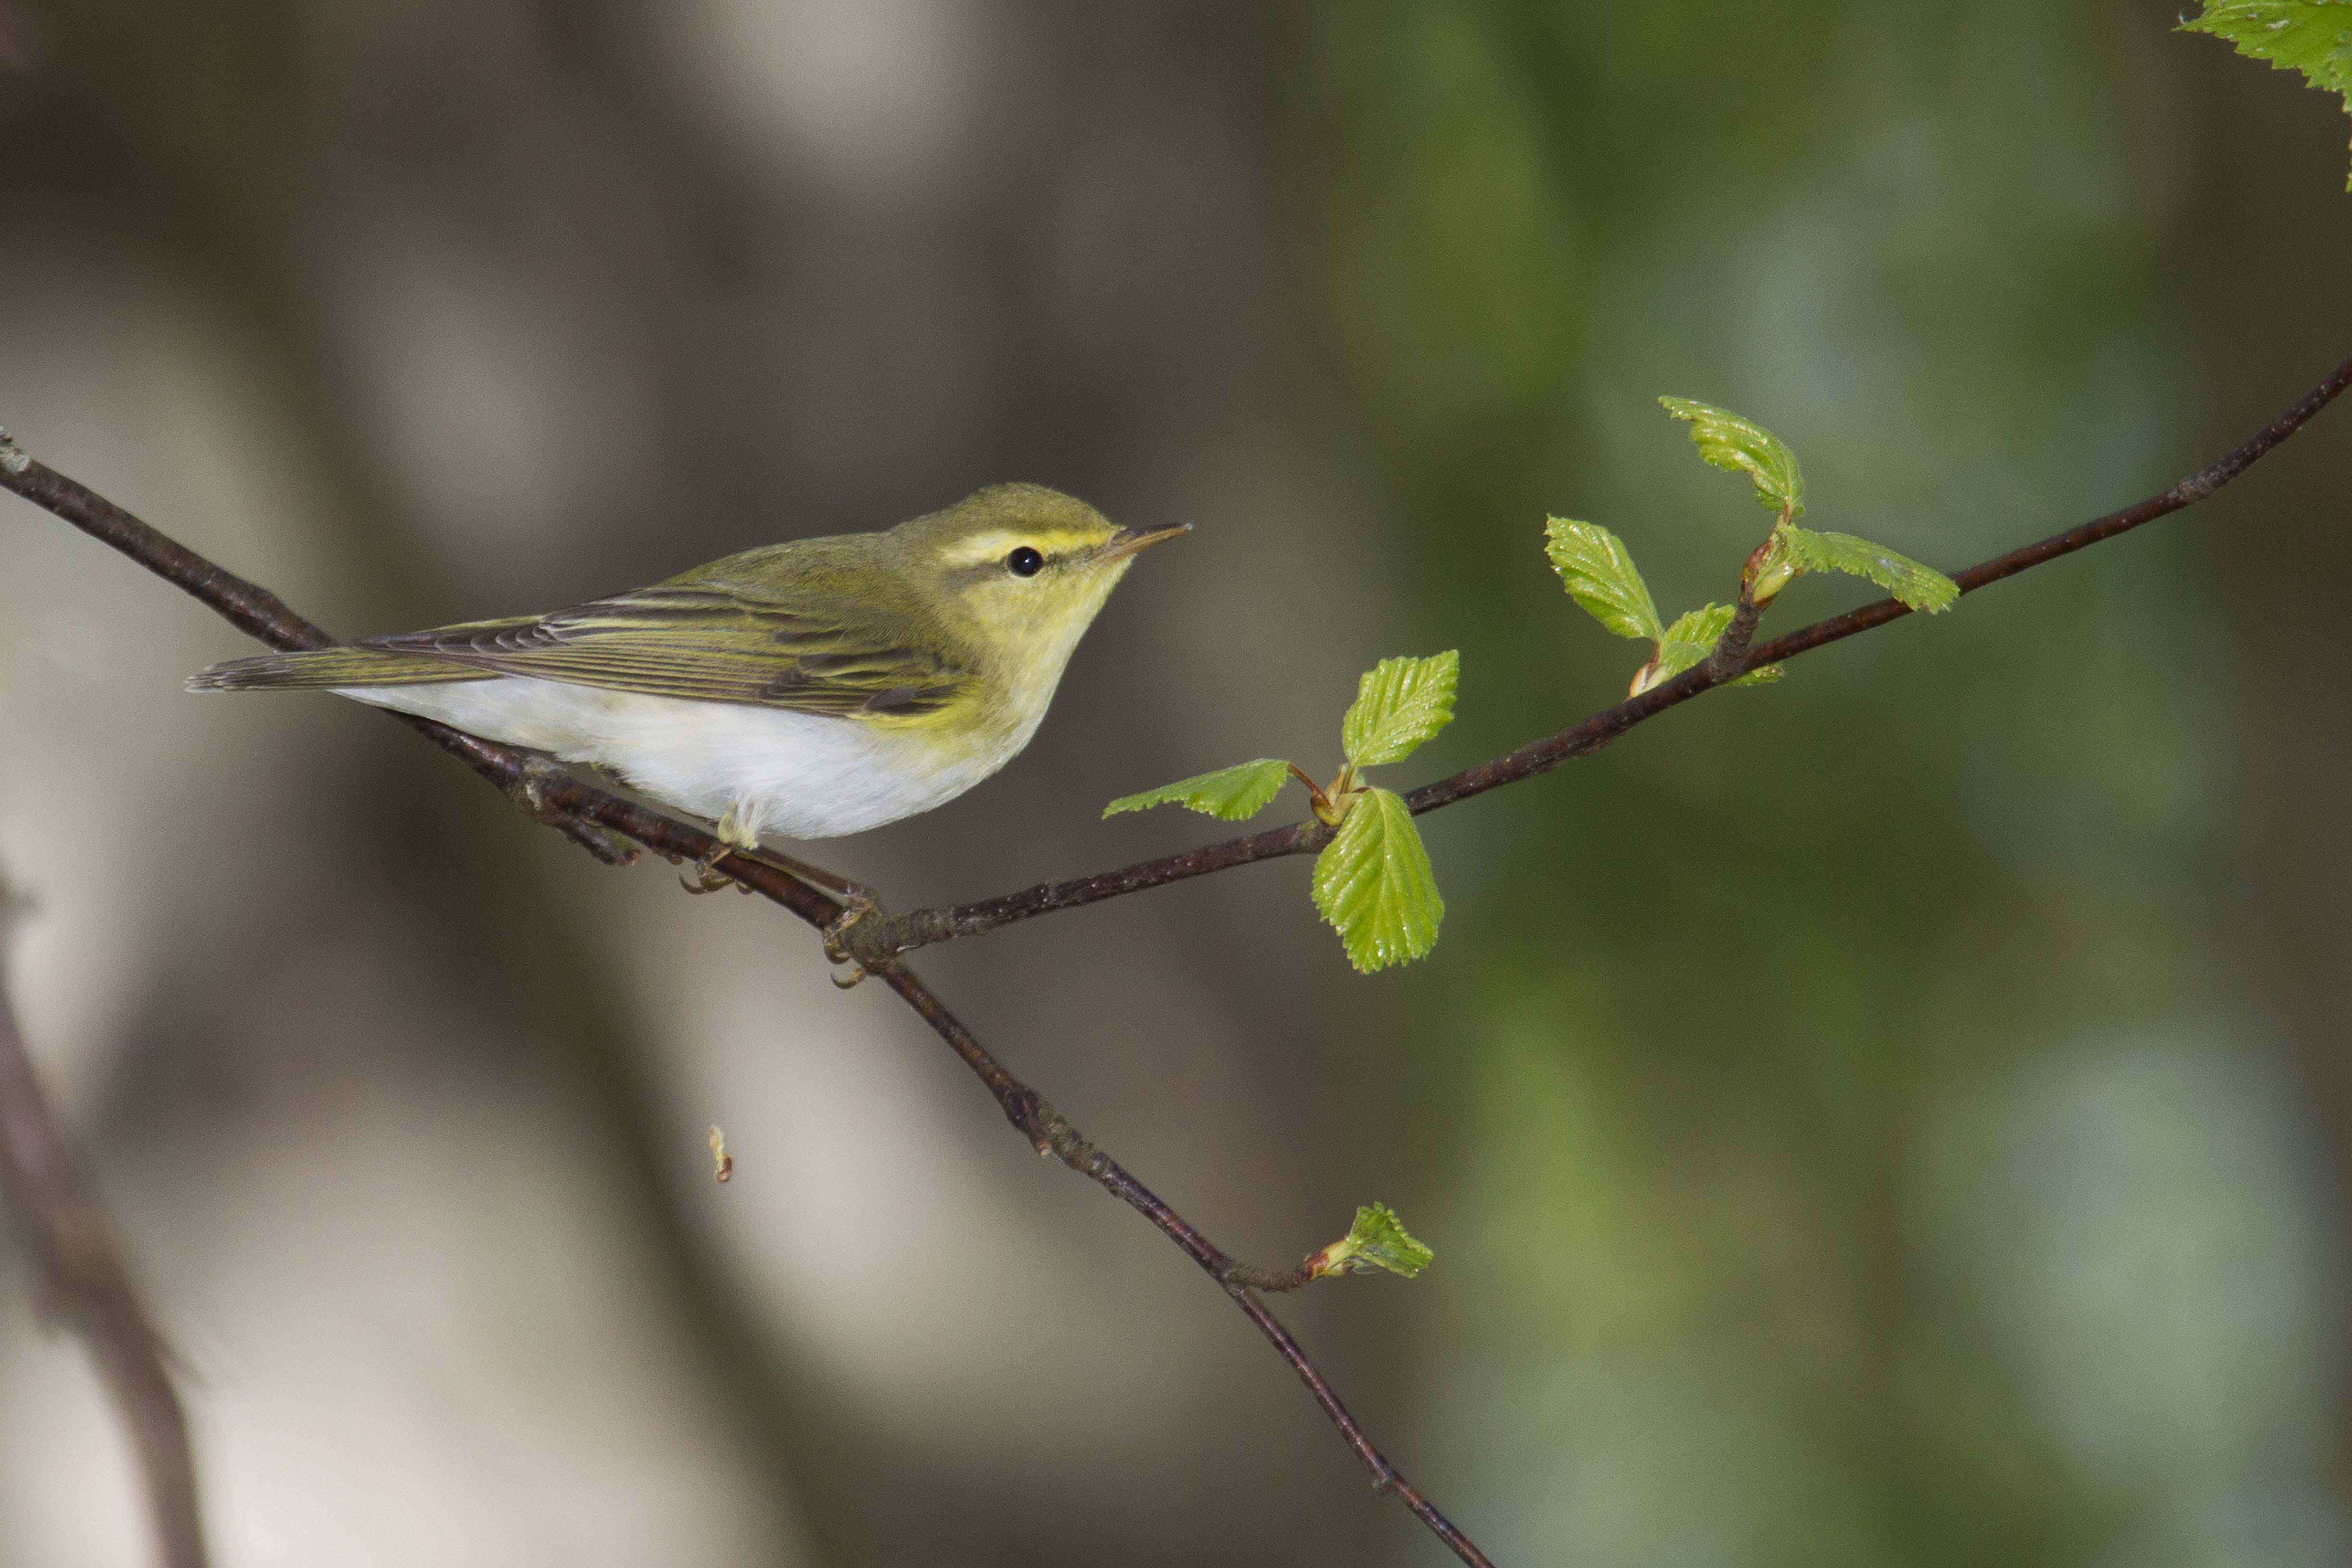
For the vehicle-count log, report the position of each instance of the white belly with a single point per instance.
(794, 775)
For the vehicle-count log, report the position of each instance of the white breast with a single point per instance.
(794, 775)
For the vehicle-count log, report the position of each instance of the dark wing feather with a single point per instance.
(813, 652)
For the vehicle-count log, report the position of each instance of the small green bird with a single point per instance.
(809, 689)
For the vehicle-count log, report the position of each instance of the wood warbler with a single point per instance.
(809, 689)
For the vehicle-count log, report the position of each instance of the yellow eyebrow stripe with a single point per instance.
(997, 543)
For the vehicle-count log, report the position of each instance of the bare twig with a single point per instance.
(595, 817)
(87, 1287)
(878, 939)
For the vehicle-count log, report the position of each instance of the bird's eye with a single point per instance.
(1024, 562)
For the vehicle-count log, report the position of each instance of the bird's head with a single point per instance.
(1022, 569)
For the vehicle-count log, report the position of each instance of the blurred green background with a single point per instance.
(1899, 1116)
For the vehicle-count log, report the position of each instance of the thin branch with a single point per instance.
(597, 819)
(87, 1287)
(1051, 1135)
(878, 939)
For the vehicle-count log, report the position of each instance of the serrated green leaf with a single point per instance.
(1744, 447)
(2314, 36)
(1601, 575)
(1228, 794)
(1921, 587)
(1400, 703)
(1372, 882)
(1690, 639)
(1377, 1240)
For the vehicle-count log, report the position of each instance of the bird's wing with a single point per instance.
(811, 652)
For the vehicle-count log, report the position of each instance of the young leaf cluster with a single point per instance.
(1600, 573)
(1728, 441)
(2314, 36)
(1377, 1240)
(1372, 882)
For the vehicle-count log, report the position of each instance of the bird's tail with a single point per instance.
(327, 668)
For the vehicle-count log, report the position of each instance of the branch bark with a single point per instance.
(87, 1287)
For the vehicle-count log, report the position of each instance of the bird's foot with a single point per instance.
(734, 838)
(859, 903)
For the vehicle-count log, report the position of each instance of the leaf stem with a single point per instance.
(1315, 797)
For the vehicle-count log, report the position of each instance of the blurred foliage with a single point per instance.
(1725, 997)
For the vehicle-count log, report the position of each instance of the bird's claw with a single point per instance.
(858, 906)
(857, 901)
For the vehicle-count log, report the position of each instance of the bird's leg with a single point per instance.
(857, 900)
(733, 839)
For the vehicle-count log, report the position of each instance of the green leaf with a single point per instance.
(1372, 882)
(1921, 587)
(1690, 639)
(1400, 703)
(1377, 1240)
(1742, 446)
(2314, 36)
(1601, 576)
(1229, 794)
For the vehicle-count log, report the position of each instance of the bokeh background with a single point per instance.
(1902, 1116)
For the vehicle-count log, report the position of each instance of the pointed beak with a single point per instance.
(1127, 541)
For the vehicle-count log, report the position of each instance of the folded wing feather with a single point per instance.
(701, 641)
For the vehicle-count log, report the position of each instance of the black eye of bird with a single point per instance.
(1024, 563)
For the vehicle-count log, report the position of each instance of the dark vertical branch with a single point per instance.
(90, 1288)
